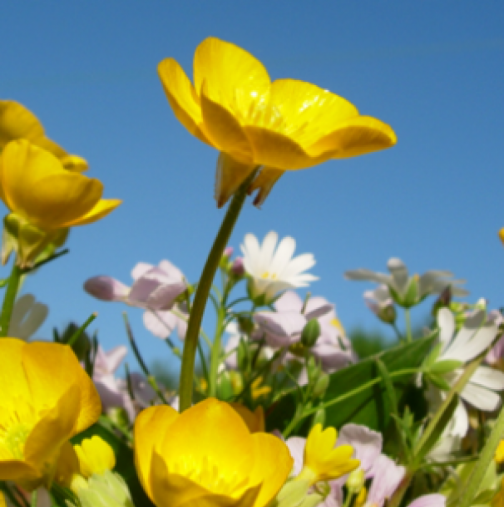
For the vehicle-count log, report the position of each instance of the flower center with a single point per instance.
(13, 434)
(206, 473)
(269, 276)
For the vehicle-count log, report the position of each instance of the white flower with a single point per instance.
(409, 290)
(380, 302)
(272, 269)
(474, 337)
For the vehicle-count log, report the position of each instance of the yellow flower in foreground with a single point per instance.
(45, 199)
(17, 122)
(207, 456)
(501, 235)
(323, 461)
(281, 125)
(46, 399)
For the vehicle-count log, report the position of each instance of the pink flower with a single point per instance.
(154, 288)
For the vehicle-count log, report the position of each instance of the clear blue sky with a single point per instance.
(433, 70)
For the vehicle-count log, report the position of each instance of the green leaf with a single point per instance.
(445, 366)
(370, 406)
(438, 381)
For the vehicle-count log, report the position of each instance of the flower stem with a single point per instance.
(9, 299)
(407, 318)
(203, 290)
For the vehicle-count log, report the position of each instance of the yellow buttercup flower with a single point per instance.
(322, 461)
(44, 199)
(281, 125)
(207, 456)
(18, 122)
(47, 398)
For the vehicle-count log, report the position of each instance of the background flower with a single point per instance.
(272, 269)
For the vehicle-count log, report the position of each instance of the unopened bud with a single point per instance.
(355, 481)
(321, 385)
(387, 314)
(310, 333)
(237, 267)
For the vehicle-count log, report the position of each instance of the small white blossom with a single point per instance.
(272, 269)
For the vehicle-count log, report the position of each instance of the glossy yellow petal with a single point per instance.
(230, 174)
(308, 112)
(74, 163)
(232, 76)
(212, 430)
(175, 490)
(272, 466)
(67, 465)
(13, 383)
(37, 187)
(182, 97)
(224, 131)
(18, 122)
(56, 426)
(101, 209)
(353, 137)
(277, 150)
(253, 420)
(323, 461)
(16, 470)
(150, 427)
(95, 456)
(264, 182)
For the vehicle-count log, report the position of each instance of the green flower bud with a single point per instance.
(310, 333)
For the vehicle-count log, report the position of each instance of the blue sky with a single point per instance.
(433, 70)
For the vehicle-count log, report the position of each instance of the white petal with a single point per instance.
(446, 324)
(160, 323)
(470, 342)
(283, 255)
(479, 397)
(399, 273)
(250, 250)
(368, 275)
(267, 249)
(171, 270)
(489, 378)
(298, 265)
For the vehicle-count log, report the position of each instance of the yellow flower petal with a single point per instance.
(182, 97)
(229, 176)
(264, 182)
(17, 122)
(232, 76)
(353, 137)
(101, 209)
(273, 467)
(150, 427)
(501, 235)
(254, 420)
(325, 461)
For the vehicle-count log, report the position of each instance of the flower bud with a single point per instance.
(355, 481)
(237, 268)
(310, 333)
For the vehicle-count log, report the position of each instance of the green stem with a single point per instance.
(215, 354)
(201, 296)
(9, 299)
(407, 318)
